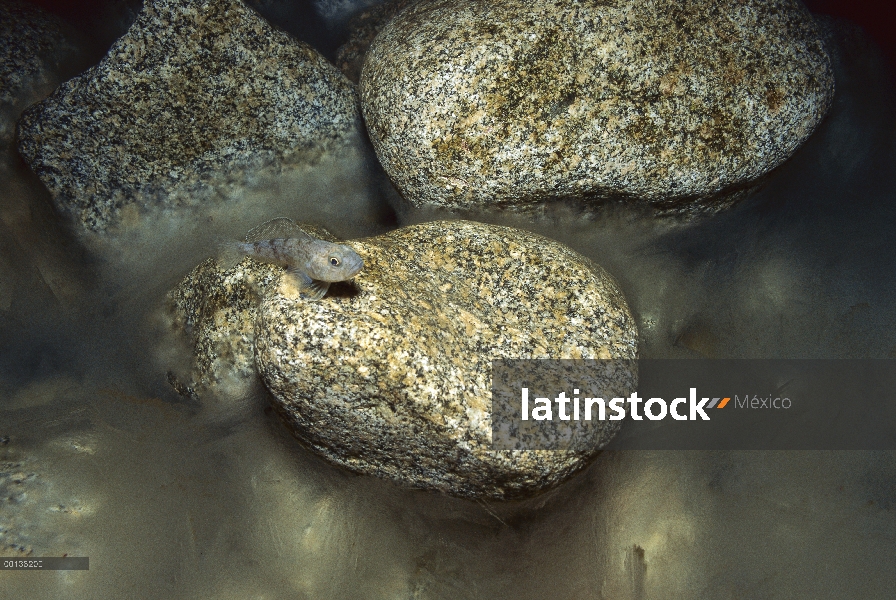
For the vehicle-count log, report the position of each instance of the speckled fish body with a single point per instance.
(295, 253)
(315, 263)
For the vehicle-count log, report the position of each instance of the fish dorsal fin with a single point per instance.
(279, 228)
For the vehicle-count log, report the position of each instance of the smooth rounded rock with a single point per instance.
(196, 98)
(391, 375)
(681, 105)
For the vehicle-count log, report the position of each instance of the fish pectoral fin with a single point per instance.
(317, 289)
(311, 289)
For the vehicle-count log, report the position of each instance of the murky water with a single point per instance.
(172, 499)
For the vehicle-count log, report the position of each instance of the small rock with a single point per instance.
(195, 98)
(33, 48)
(363, 29)
(391, 376)
(30, 504)
(218, 308)
(682, 105)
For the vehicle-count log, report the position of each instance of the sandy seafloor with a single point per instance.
(175, 500)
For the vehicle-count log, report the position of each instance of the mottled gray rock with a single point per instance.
(393, 376)
(39, 516)
(362, 31)
(33, 46)
(472, 103)
(195, 98)
(17, 481)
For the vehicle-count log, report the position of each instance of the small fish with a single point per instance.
(315, 263)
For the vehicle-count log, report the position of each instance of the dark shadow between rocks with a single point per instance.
(343, 289)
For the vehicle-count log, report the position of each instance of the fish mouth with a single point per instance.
(356, 267)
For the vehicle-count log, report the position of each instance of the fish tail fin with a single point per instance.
(230, 254)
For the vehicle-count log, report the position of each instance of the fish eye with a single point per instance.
(334, 261)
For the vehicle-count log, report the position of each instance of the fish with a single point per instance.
(314, 263)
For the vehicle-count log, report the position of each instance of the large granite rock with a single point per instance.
(393, 378)
(34, 47)
(197, 97)
(390, 374)
(472, 103)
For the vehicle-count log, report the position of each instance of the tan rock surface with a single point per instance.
(511, 104)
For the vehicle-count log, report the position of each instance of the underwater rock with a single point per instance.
(680, 105)
(391, 375)
(40, 515)
(218, 309)
(362, 31)
(33, 47)
(196, 98)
